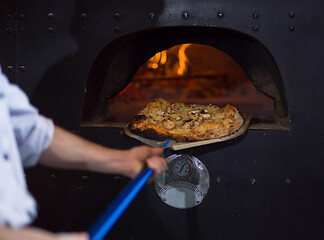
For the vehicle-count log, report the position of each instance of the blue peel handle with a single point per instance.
(110, 216)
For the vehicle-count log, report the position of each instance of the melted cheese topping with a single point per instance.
(206, 121)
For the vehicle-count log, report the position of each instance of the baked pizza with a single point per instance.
(161, 120)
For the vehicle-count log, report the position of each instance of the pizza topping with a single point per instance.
(195, 123)
(162, 120)
(186, 125)
(195, 112)
(205, 116)
(169, 125)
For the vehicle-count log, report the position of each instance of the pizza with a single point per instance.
(162, 120)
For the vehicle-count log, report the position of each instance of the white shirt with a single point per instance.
(24, 135)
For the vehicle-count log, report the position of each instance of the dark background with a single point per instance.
(267, 184)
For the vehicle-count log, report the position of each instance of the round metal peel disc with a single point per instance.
(185, 184)
(181, 195)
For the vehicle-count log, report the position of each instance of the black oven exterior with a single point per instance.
(266, 184)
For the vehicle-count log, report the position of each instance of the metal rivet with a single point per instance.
(220, 14)
(9, 29)
(22, 68)
(117, 179)
(252, 181)
(51, 29)
(117, 29)
(288, 181)
(151, 15)
(53, 177)
(218, 180)
(117, 15)
(83, 16)
(256, 27)
(50, 15)
(291, 28)
(10, 68)
(84, 178)
(256, 14)
(185, 15)
(292, 14)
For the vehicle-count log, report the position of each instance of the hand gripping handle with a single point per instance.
(109, 217)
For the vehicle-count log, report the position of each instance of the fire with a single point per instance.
(160, 59)
(183, 60)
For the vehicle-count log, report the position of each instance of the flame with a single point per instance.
(183, 60)
(164, 57)
(159, 58)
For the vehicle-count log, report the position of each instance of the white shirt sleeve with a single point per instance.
(24, 135)
(33, 132)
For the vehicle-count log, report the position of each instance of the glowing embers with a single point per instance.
(191, 73)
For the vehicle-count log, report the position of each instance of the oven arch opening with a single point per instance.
(118, 63)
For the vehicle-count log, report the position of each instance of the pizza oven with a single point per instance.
(91, 66)
(191, 70)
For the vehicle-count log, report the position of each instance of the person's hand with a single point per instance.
(137, 157)
(69, 151)
(32, 233)
(72, 236)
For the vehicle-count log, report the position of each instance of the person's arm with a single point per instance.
(30, 233)
(70, 151)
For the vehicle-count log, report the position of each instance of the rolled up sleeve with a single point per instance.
(33, 132)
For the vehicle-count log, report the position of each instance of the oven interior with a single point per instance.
(216, 73)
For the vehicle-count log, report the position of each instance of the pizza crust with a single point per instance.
(161, 120)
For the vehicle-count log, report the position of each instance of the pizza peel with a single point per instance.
(184, 145)
(109, 217)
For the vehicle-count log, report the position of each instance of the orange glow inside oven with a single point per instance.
(191, 73)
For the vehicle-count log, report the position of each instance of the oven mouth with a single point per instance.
(118, 65)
